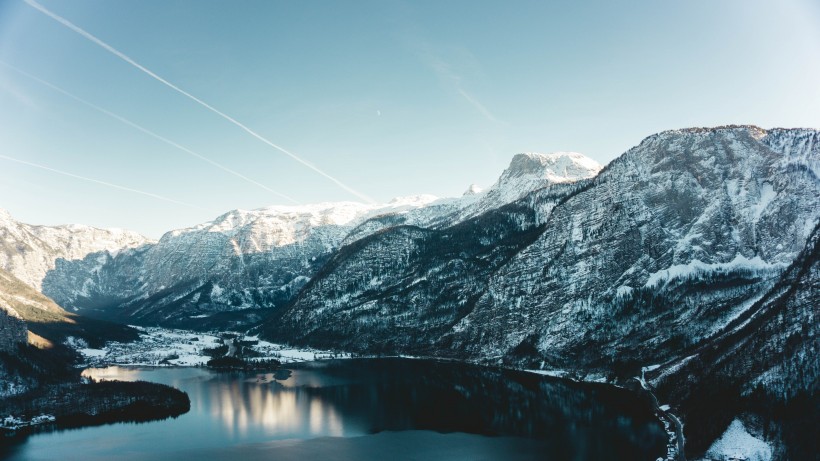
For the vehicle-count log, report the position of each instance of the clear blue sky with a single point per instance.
(388, 97)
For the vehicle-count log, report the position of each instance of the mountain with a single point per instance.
(403, 288)
(29, 252)
(667, 247)
(664, 247)
(231, 271)
(672, 241)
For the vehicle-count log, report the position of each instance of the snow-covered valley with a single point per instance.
(169, 347)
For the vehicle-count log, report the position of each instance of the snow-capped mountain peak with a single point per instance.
(474, 189)
(531, 171)
(557, 167)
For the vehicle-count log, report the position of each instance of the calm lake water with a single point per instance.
(393, 409)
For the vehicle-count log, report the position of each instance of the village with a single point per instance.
(167, 347)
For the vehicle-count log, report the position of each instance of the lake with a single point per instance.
(394, 409)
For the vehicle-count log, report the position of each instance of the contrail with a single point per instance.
(147, 131)
(202, 103)
(477, 104)
(97, 181)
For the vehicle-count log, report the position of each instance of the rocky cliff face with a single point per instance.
(672, 241)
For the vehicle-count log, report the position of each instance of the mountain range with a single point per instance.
(691, 259)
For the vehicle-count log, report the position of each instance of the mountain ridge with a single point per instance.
(245, 260)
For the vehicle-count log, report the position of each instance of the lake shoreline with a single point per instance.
(672, 426)
(75, 405)
(352, 397)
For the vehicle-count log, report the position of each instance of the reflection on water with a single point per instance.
(238, 412)
(246, 405)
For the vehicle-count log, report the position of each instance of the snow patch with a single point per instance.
(624, 290)
(695, 267)
(93, 353)
(553, 373)
(767, 195)
(737, 443)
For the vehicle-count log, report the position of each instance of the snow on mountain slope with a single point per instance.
(800, 147)
(30, 251)
(530, 171)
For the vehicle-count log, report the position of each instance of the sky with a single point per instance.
(153, 115)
